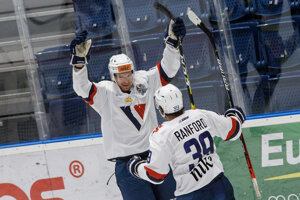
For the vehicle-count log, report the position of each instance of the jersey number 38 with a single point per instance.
(203, 145)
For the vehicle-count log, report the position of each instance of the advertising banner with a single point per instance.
(78, 170)
(275, 156)
(74, 170)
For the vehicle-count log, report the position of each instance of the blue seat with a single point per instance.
(99, 59)
(95, 16)
(148, 51)
(207, 95)
(56, 73)
(256, 94)
(235, 9)
(198, 53)
(271, 7)
(67, 117)
(199, 56)
(179, 8)
(286, 92)
(140, 15)
(279, 40)
(244, 39)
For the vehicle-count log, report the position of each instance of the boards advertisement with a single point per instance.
(74, 170)
(78, 169)
(274, 149)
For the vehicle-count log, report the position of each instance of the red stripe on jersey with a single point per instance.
(157, 128)
(233, 129)
(154, 174)
(162, 80)
(90, 99)
(140, 109)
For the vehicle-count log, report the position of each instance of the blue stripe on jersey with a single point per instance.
(90, 98)
(163, 73)
(129, 114)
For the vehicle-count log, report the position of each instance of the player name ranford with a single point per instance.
(190, 129)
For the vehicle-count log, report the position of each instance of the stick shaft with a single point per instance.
(230, 101)
(164, 10)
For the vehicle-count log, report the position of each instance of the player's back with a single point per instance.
(194, 160)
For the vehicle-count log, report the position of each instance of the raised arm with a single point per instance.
(171, 57)
(79, 49)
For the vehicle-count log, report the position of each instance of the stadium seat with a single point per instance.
(67, 117)
(199, 55)
(256, 94)
(95, 16)
(207, 95)
(271, 7)
(179, 8)
(99, 59)
(235, 9)
(279, 41)
(140, 15)
(244, 38)
(148, 51)
(286, 92)
(56, 73)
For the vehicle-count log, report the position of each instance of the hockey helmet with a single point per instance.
(168, 99)
(118, 64)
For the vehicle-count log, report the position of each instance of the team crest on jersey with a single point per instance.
(128, 99)
(141, 88)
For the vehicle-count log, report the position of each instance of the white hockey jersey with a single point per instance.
(127, 120)
(186, 145)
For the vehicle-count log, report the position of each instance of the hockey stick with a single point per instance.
(164, 10)
(195, 19)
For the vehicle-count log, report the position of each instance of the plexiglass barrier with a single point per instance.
(258, 43)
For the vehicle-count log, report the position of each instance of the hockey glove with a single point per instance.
(175, 30)
(79, 48)
(133, 164)
(236, 112)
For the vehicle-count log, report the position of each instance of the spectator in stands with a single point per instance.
(126, 107)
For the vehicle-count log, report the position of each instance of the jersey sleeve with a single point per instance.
(228, 128)
(166, 69)
(157, 166)
(92, 93)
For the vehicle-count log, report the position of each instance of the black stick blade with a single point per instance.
(163, 9)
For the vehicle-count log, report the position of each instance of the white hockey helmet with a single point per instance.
(168, 99)
(118, 64)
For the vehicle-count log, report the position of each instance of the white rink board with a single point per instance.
(30, 169)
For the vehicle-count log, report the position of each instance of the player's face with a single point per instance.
(124, 81)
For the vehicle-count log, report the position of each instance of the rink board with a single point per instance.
(66, 170)
(273, 145)
(78, 169)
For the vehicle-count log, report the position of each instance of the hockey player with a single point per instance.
(126, 107)
(185, 142)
